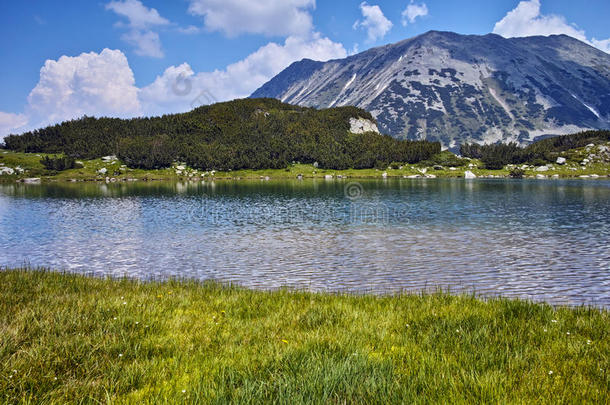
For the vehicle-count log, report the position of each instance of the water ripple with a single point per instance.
(538, 240)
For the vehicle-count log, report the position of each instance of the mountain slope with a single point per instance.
(455, 88)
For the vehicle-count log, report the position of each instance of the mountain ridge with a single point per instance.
(455, 88)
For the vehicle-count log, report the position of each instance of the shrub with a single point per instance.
(517, 173)
(59, 164)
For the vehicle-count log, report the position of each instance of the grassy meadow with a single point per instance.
(76, 339)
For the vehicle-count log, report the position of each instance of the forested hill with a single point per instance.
(240, 134)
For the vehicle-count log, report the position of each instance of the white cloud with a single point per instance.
(146, 43)
(268, 17)
(603, 44)
(88, 84)
(180, 89)
(142, 20)
(139, 16)
(10, 123)
(412, 12)
(375, 23)
(190, 30)
(526, 20)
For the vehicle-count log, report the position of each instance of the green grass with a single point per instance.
(74, 339)
(31, 163)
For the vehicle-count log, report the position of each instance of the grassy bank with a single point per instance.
(116, 171)
(75, 339)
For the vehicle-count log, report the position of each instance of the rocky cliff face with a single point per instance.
(455, 88)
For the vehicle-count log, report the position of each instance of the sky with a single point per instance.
(128, 58)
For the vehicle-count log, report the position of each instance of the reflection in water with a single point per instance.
(543, 240)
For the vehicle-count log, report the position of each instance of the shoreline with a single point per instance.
(26, 168)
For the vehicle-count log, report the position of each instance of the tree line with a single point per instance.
(496, 156)
(240, 134)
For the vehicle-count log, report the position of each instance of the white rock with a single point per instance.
(561, 161)
(6, 170)
(31, 180)
(413, 176)
(540, 176)
(362, 125)
(328, 176)
(384, 175)
(584, 176)
(542, 169)
(430, 176)
(109, 158)
(595, 176)
(469, 175)
(452, 169)
(555, 176)
(103, 170)
(180, 168)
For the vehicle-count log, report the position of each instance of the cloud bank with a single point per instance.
(527, 20)
(103, 84)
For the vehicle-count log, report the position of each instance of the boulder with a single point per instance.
(542, 169)
(362, 125)
(103, 170)
(540, 176)
(384, 175)
(469, 175)
(31, 180)
(561, 160)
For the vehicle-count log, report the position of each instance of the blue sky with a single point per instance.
(141, 57)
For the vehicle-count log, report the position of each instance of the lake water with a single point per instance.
(541, 240)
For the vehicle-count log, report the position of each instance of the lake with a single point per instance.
(542, 240)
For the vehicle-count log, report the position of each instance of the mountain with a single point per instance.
(454, 88)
